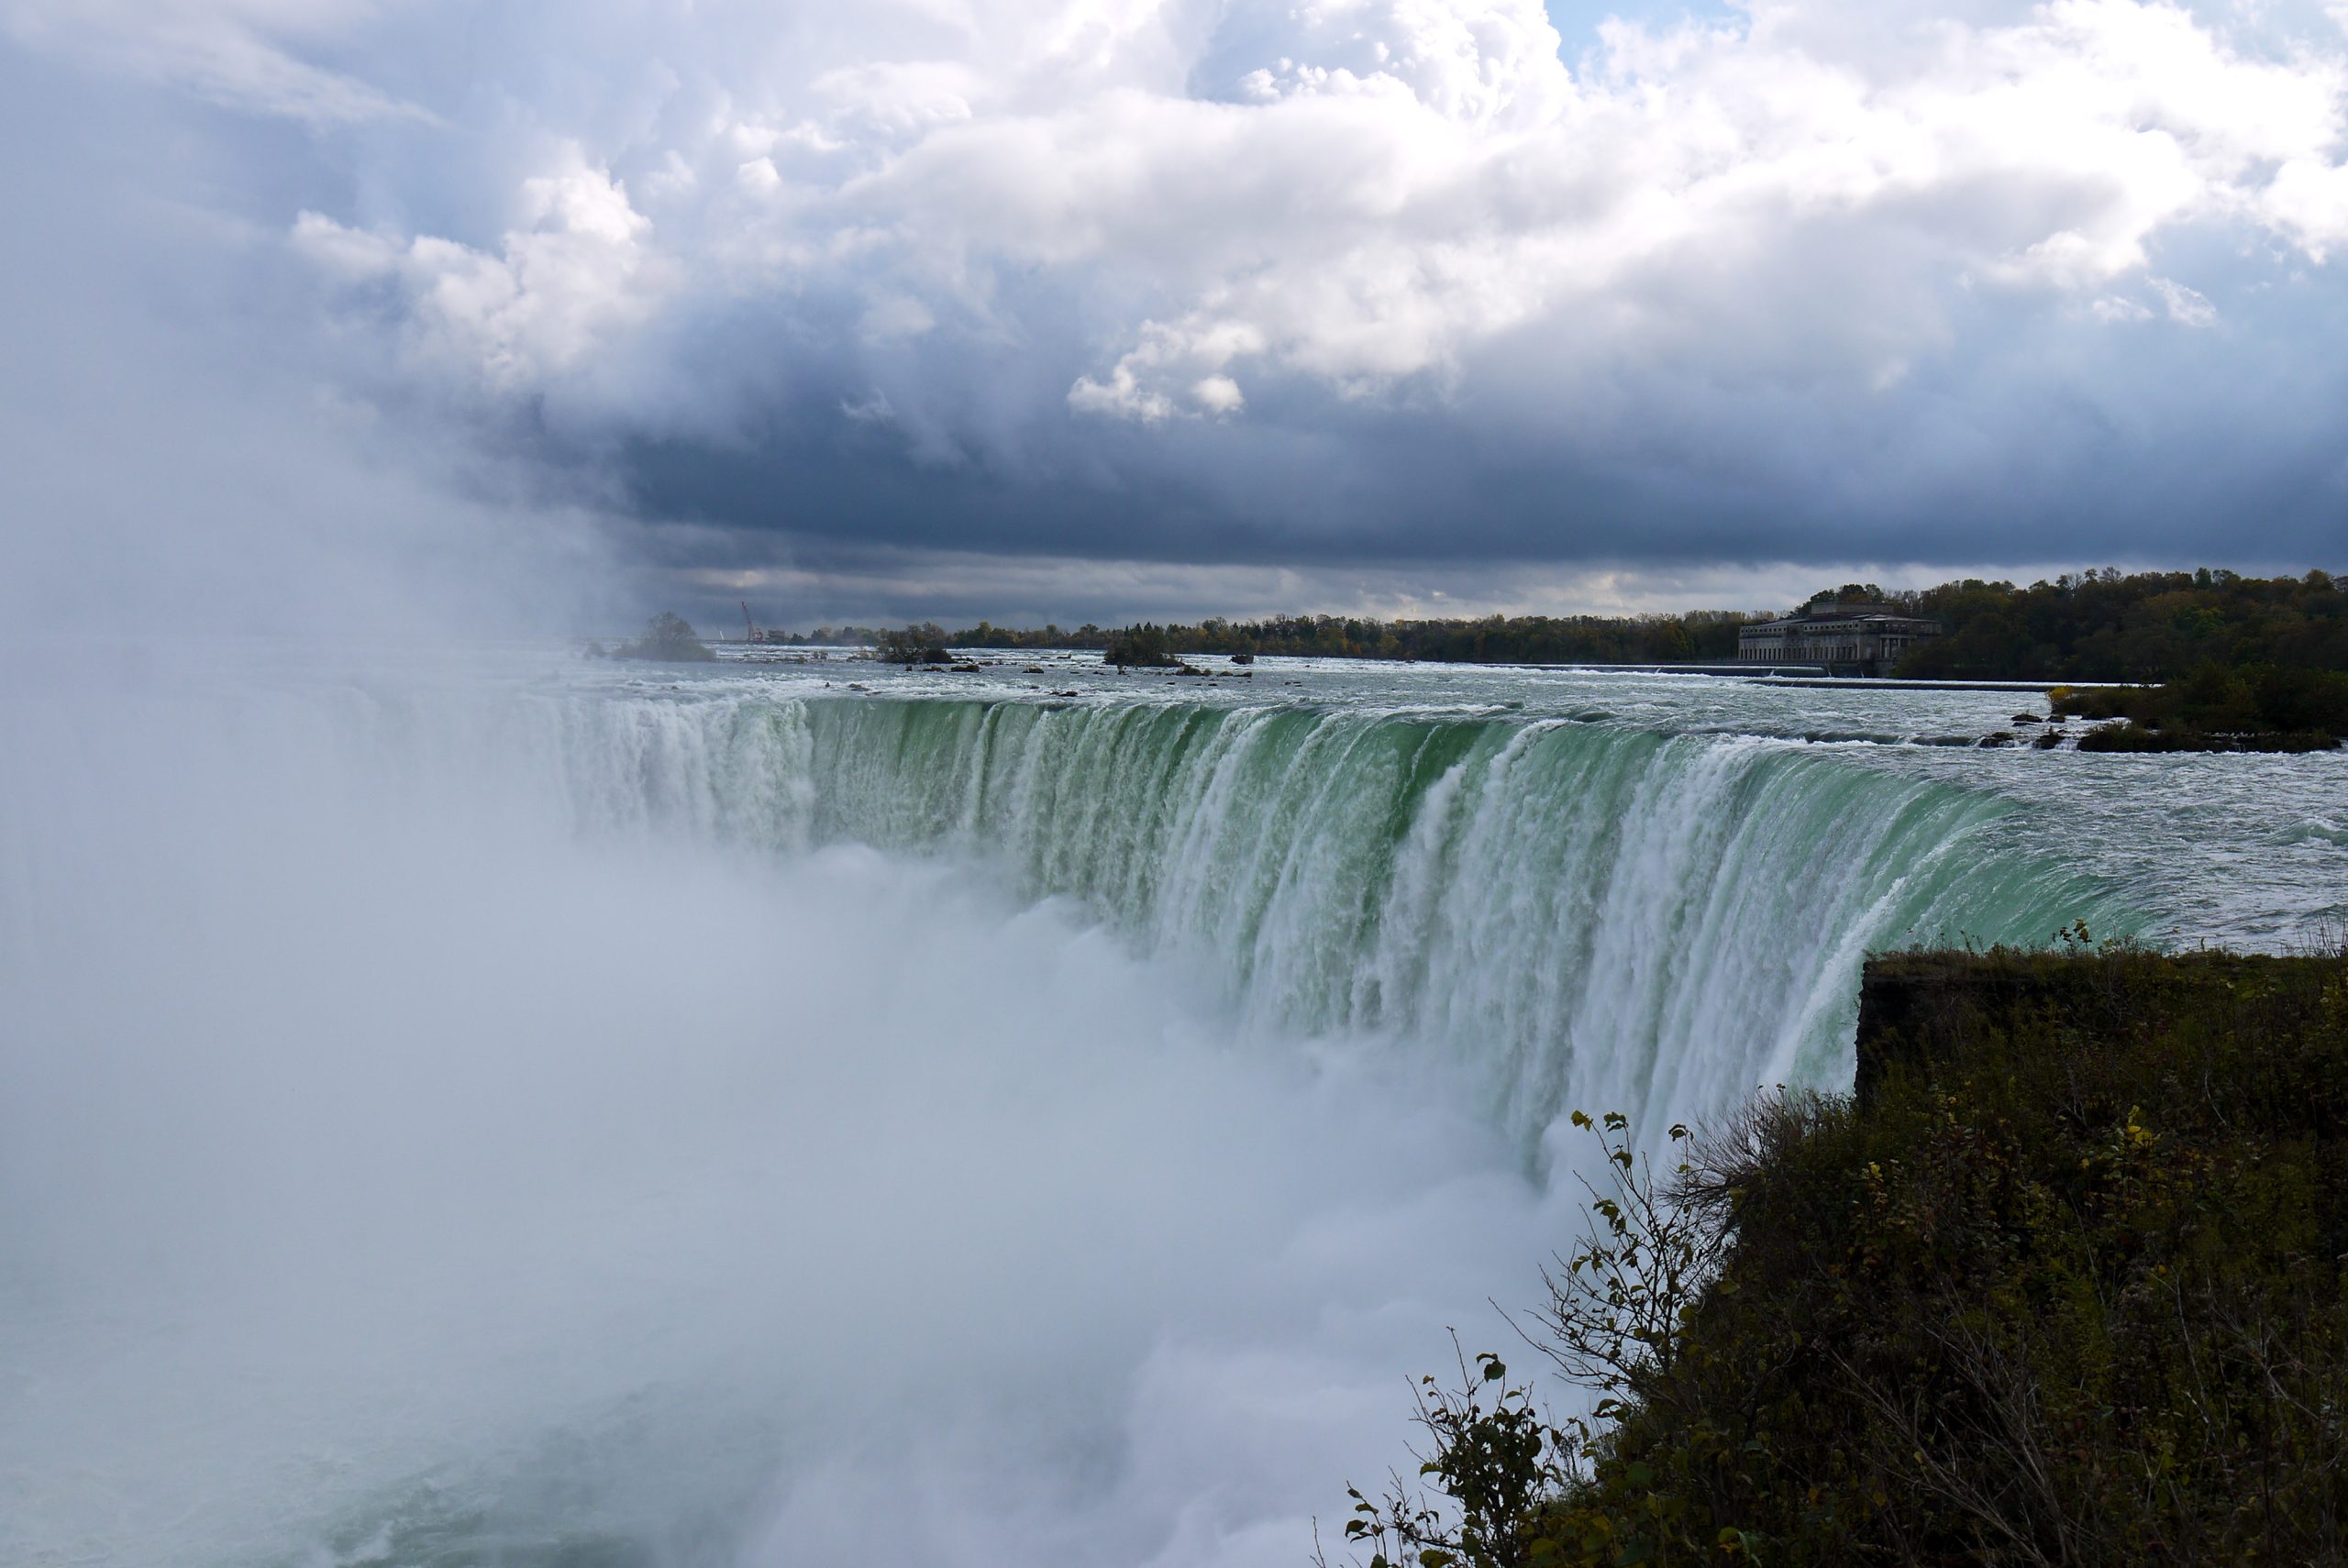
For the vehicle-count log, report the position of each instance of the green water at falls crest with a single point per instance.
(1627, 917)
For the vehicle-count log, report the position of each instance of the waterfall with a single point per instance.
(514, 1117)
(1562, 908)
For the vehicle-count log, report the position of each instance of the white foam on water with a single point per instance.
(495, 1123)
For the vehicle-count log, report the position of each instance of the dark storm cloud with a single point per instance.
(1391, 294)
(2040, 435)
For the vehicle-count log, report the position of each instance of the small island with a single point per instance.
(668, 638)
(2219, 707)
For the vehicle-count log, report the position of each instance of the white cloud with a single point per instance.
(2185, 306)
(1218, 395)
(2308, 200)
(1384, 187)
(242, 53)
(1168, 355)
(573, 273)
(1490, 63)
(1121, 394)
(1169, 216)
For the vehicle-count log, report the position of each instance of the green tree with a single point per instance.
(921, 644)
(1145, 645)
(668, 636)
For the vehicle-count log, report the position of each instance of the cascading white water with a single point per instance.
(1554, 907)
(532, 1124)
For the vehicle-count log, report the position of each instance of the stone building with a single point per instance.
(1848, 639)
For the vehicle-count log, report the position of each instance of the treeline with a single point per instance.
(2065, 1283)
(2141, 626)
(1698, 636)
(826, 637)
(2096, 625)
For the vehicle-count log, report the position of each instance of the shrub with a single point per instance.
(669, 637)
(1145, 644)
(2066, 1287)
(2216, 708)
(923, 643)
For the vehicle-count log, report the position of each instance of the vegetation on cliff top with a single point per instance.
(2068, 1286)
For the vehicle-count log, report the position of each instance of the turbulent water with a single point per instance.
(1551, 906)
(560, 1114)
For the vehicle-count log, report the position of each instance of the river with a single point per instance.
(511, 1109)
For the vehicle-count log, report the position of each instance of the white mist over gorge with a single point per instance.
(467, 1103)
(457, 1189)
(481, 1115)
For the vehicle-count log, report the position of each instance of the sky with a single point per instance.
(1085, 309)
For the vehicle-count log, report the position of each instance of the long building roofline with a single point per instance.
(1841, 620)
